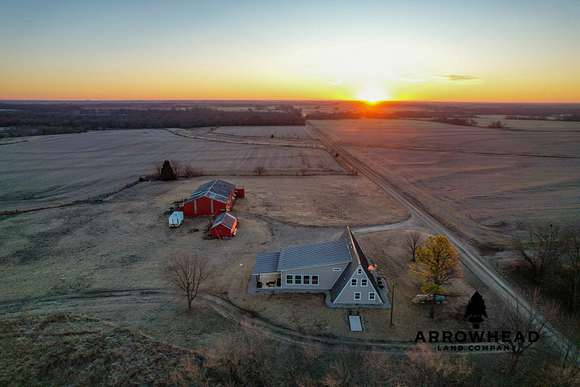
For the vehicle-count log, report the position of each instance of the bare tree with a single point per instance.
(259, 171)
(187, 273)
(571, 266)
(565, 371)
(351, 367)
(412, 243)
(516, 317)
(427, 367)
(541, 249)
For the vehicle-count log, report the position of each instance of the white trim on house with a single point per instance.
(364, 282)
(355, 294)
(317, 265)
(301, 276)
(374, 296)
(353, 282)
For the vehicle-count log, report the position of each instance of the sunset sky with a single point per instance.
(401, 50)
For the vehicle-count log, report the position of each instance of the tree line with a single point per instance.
(55, 119)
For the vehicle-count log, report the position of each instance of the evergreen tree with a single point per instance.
(475, 310)
(167, 172)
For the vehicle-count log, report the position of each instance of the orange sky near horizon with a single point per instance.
(376, 50)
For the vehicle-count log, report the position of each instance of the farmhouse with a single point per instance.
(211, 198)
(337, 268)
(225, 225)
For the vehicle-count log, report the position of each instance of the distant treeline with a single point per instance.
(368, 113)
(30, 119)
(560, 117)
(452, 113)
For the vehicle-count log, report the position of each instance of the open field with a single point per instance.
(82, 247)
(287, 132)
(49, 170)
(124, 243)
(483, 182)
(107, 259)
(63, 349)
(530, 125)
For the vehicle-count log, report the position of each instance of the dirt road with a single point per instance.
(82, 302)
(469, 256)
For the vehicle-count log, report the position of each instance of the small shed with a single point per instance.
(240, 192)
(175, 219)
(224, 226)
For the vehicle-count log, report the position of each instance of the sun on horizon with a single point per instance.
(372, 94)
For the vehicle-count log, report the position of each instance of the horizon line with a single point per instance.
(313, 100)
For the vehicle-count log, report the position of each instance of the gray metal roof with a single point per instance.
(359, 259)
(342, 281)
(319, 254)
(224, 218)
(266, 263)
(216, 189)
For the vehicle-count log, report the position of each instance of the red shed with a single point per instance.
(211, 198)
(224, 226)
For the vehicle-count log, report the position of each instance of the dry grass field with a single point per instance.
(85, 246)
(307, 313)
(123, 244)
(49, 170)
(286, 132)
(529, 125)
(483, 182)
(108, 259)
(64, 349)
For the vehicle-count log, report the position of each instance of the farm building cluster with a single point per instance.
(339, 269)
(215, 198)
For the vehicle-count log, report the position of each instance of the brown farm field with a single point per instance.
(50, 170)
(287, 132)
(107, 259)
(482, 182)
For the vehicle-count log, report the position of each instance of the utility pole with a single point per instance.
(392, 302)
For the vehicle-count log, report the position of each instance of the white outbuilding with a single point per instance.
(176, 219)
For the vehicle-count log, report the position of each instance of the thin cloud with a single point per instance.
(460, 77)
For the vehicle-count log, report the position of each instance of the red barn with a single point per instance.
(211, 198)
(224, 225)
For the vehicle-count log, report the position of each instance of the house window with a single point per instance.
(364, 282)
(356, 296)
(337, 269)
(314, 280)
(359, 271)
(372, 296)
(306, 280)
(289, 280)
(298, 279)
(353, 282)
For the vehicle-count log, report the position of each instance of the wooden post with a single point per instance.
(392, 302)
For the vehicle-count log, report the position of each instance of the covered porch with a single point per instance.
(268, 280)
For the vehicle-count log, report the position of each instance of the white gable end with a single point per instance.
(358, 292)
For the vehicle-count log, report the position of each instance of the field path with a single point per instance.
(240, 140)
(470, 258)
(88, 301)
